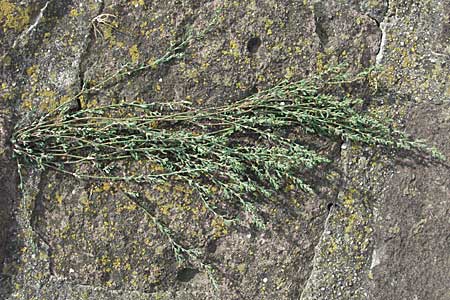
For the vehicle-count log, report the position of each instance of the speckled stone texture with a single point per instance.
(378, 227)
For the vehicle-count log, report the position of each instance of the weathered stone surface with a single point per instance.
(392, 242)
(378, 227)
(8, 183)
(411, 233)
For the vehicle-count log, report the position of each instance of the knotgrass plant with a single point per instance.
(241, 147)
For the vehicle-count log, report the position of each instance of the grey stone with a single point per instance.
(386, 234)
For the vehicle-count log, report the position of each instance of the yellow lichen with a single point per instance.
(349, 199)
(137, 3)
(32, 70)
(117, 263)
(219, 227)
(233, 44)
(13, 17)
(49, 100)
(26, 104)
(106, 186)
(74, 13)
(58, 198)
(268, 23)
(134, 53)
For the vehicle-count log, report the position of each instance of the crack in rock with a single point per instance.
(38, 18)
(32, 26)
(383, 26)
(306, 293)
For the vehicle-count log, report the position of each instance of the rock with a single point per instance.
(71, 239)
